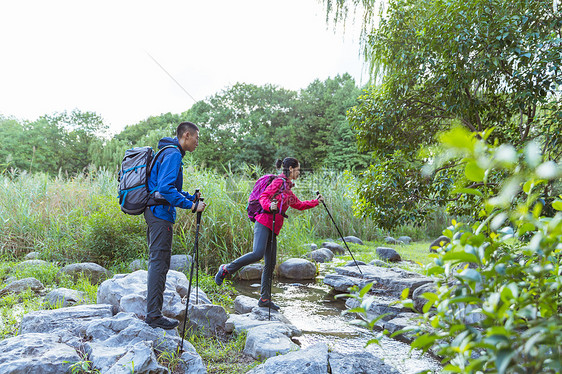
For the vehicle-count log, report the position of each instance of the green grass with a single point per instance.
(78, 219)
(414, 256)
(223, 355)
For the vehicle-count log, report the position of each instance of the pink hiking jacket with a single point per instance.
(285, 199)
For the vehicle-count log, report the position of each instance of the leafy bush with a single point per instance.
(113, 236)
(497, 304)
(501, 313)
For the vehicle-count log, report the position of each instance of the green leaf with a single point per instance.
(526, 227)
(435, 270)
(465, 299)
(405, 293)
(365, 289)
(474, 172)
(461, 256)
(459, 138)
(557, 204)
(452, 368)
(423, 342)
(373, 341)
(468, 191)
(503, 358)
(470, 275)
(400, 332)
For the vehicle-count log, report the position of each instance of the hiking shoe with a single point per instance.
(162, 322)
(266, 303)
(221, 274)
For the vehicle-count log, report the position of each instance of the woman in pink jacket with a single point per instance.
(277, 197)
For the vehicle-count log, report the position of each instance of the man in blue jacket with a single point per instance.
(166, 179)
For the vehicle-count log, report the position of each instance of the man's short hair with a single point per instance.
(186, 126)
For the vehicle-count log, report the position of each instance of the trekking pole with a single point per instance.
(270, 262)
(194, 263)
(341, 236)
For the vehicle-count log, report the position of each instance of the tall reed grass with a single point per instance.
(79, 219)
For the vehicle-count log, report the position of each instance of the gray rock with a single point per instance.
(63, 297)
(191, 363)
(297, 268)
(441, 241)
(379, 263)
(380, 306)
(311, 246)
(260, 317)
(31, 263)
(127, 293)
(22, 285)
(342, 283)
(405, 239)
(334, 247)
(358, 362)
(36, 353)
(388, 254)
(390, 240)
(73, 319)
(180, 263)
(469, 313)
(417, 298)
(402, 321)
(263, 342)
(353, 239)
(92, 271)
(354, 263)
(250, 272)
(244, 304)
(32, 256)
(321, 255)
(138, 264)
(393, 281)
(139, 358)
(206, 318)
(263, 314)
(122, 339)
(312, 360)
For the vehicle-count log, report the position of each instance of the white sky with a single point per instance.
(93, 55)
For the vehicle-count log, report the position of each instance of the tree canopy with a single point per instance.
(241, 125)
(477, 64)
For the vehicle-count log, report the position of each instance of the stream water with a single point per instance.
(312, 308)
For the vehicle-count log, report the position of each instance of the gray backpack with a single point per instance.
(133, 178)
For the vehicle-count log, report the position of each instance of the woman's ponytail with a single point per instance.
(287, 163)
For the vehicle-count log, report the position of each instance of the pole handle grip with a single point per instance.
(196, 201)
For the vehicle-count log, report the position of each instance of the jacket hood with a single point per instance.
(170, 141)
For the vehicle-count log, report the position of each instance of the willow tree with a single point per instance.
(471, 63)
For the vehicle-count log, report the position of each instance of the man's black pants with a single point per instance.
(159, 234)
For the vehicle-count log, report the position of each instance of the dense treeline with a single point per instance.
(244, 124)
(63, 142)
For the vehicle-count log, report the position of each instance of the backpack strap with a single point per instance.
(153, 161)
(151, 200)
(280, 192)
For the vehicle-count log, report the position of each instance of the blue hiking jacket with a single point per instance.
(167, 178)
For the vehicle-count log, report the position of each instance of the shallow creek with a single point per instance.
(311, 307)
